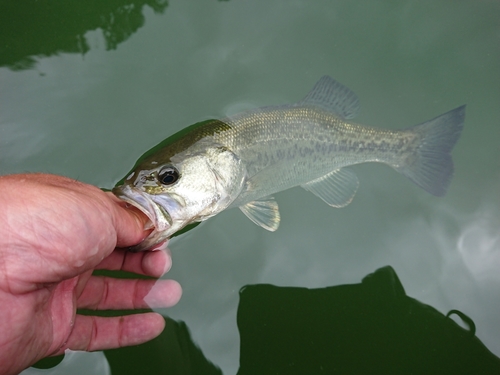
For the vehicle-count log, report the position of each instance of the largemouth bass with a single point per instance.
(242, 160)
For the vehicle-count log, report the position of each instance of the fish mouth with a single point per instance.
(158, 217)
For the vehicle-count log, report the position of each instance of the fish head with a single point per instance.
(177, 189)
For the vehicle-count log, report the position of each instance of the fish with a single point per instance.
(244, 159)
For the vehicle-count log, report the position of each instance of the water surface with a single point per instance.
(94, 95)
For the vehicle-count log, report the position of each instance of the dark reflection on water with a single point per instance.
(367, 328)
(173, 352)
(30, 29)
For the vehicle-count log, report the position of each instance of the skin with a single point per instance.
(54, 232)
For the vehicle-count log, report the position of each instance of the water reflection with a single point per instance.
(60, 27)
(367, 328)
(74, 363)
(173, 352)
(479, 247)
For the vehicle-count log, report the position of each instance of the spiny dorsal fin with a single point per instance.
(336, 188)
(263, 212)
(333, 96)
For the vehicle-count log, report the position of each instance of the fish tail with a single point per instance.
(430, 166)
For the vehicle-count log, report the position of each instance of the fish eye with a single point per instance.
(168, 175)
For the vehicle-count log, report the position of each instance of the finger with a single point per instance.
(150, 263)
(129, 222)
(107, 293)
(92, 333)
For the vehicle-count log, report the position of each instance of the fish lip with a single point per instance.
(158, 216)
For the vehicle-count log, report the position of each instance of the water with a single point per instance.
(90, 115)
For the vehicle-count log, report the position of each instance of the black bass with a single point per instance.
(240, 161)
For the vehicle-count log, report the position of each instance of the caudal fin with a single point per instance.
(431, 166)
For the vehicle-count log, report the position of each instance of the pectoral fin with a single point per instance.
(264, 213)
(336, 188)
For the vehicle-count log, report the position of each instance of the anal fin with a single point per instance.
(336, 188)
(263, 212)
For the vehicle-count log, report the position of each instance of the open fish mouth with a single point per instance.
(159, 218)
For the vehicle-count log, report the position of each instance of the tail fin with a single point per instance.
(431, 166)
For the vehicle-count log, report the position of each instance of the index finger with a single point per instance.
(98, 333)
(149, 263)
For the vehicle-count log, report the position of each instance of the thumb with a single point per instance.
(129, 223)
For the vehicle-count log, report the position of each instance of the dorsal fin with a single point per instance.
(333, 96)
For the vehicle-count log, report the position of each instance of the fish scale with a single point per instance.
(280, 142)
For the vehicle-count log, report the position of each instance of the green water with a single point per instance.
(86, 88)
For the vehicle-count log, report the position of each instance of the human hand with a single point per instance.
(54, 232)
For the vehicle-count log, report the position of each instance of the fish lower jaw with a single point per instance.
(149, 243)
(156, 239)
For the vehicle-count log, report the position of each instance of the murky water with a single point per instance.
(83, 102)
